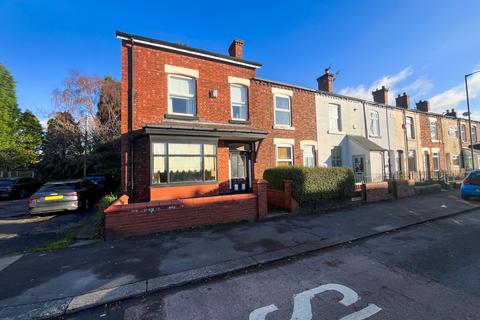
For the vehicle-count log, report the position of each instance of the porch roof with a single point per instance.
(365, 143)
(206, 129)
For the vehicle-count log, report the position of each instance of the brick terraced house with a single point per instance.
(197, 123)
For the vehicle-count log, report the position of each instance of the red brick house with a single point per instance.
(197, 123)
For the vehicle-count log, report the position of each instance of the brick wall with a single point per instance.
(375, 191)
(123, 219)
(262, 117)
(283, 198)
(426, 140)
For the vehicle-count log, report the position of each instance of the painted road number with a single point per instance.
(302, 307)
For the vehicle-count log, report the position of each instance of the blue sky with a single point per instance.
(420, 47)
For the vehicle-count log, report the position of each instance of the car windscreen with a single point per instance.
(474, 177)
(6, 183)
(58, 188)
(94, 178)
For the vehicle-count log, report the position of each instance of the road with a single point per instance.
(428, 272)
(19, 232)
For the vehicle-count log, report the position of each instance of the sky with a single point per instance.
(423, 48)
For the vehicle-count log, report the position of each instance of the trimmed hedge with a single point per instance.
(313, 183)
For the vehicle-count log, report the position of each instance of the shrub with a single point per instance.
(104, 202)
(313, 183)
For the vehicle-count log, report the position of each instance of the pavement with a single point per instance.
(20, 232)
(72, 279)
(430, 271)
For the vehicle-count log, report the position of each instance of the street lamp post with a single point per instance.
(469, 116)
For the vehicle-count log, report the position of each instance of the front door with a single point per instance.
(358, 164)
(426, 164)
(240, 171)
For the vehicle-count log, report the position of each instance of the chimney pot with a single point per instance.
(236, 49)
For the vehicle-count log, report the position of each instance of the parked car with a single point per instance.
(471, 185)
(18, 187)
(64, 195)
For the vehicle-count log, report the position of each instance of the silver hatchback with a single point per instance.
(60, 196)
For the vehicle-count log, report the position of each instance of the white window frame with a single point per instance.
(312, 148)
(239, 103)
(474, 134)
(436, 155)
(282, 110)
(193, 97)
(283, 160)
(372, 119)
(338, 117)
(463, 132)
(410, 127)
(431, 124)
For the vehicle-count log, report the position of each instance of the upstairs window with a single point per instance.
(463, 133)
(374, 124)
(239, 100)
(283, 111)
(181, 95)
(474, 134)
(433, 130)
(334, 117)
(410, 128)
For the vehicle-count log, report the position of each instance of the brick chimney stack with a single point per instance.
(452, 113)
(380, 95)
(236, 49)
(423, 106)
(325, 82)
(403, 101)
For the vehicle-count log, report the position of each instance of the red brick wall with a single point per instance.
(426, 140)
(262, 117)
(159, 216)
(283, 198)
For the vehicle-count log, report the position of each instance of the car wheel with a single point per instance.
(22, 194)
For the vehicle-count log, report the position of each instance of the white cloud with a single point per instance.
(419, 87)
(456, 96)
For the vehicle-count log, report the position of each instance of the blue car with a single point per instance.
(471, 185)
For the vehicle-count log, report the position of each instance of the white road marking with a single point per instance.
(366, 312)
(261, 313)
(5, 262)
(302, 307)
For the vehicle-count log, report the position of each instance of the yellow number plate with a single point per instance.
(53, 197)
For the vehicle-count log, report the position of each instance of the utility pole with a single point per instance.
(469, 115)
(85, 144)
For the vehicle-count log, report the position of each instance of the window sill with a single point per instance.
(283, 127)
(411, 139)
(335, 132)
(233, 121)
(373, 136)
(179, 117)
(436, 141)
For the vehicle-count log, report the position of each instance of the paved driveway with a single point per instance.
(19, 232)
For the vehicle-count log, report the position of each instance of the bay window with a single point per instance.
(283, 110)
(239, 101)
(181, 95)
(183, 162)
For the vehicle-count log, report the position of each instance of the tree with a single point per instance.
(108, 109)
(62, 148)
(29, 138)
(9, 113)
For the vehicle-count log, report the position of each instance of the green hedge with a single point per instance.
(313, 183)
